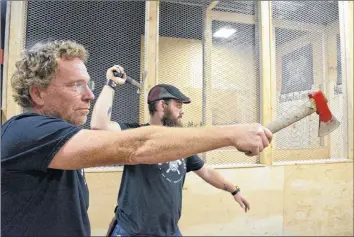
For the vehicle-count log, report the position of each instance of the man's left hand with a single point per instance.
(243, 202)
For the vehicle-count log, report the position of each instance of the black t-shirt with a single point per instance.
(37, 200)
(150, 196)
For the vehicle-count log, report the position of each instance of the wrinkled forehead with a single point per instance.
(71, 70)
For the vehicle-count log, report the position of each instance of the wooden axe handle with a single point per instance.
(284, 121)
(304, 110)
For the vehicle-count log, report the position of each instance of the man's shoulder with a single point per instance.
(33, 124)
(30, 116)
(27, 120)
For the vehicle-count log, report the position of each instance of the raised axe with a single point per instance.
(132, 81)
(317, 102)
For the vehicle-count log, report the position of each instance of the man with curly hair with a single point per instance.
(44, 152)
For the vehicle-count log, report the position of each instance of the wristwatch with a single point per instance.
(112, 84)
(236, 191)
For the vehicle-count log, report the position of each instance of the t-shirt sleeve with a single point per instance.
(31, 142)
(194, 163)
(125, 126)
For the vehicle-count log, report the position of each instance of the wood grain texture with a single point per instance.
(311, 199)
(318, 200)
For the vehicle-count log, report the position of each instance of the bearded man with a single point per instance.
(150, 195)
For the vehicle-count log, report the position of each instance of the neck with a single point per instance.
(155, 120)
(31, 110)
(35, 110)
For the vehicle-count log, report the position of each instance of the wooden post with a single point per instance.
(212, 5)
(207, 49)
(151, 52)
(267, 67)
(16, 43)
(346, 34)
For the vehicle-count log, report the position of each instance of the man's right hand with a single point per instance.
(251, 138)
(117, 80)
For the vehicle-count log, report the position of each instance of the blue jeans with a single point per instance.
(118, 231)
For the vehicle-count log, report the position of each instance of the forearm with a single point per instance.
(214, 178)
(101, 114)
(145, 145)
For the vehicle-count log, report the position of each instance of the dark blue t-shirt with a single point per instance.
(37, 200)
(150, 196)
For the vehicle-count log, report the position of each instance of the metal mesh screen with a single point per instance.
(181, 54)
(219, 74)
(110, 30)
(308, 58)
(235, 84)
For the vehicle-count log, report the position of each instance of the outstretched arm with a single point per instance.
(145, 145)
(155, 144)
(214, 178)
(152, 144)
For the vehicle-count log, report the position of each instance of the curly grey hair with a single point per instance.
(38, 65)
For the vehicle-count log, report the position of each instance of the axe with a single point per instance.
(131, 81)
(317, 102)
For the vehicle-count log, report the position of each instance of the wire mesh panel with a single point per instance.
(209, 50)
(219, 73)
(180, 53)
(307, 59)
(110, 30)
(235, 84)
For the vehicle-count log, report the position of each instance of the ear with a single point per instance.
(160, 105)
(37, 95)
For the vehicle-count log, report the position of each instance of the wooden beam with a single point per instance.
(16, 43)
(151, 51)
(346, 35)
(212, 5)
(5, 66)
(206, 89)
(251, 19)
(295, 25)
(207, 52)
(231, 17)
(268, 89)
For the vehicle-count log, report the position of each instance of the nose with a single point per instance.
(88, 94)
(181, 113)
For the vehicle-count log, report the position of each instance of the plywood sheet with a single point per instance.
(209, 211)
(318, 199)
(103, 189)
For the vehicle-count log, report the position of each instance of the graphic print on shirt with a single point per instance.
(173, 171)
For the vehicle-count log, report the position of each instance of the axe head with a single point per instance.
(327, 121)
(143, 77)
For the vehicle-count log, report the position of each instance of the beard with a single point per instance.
(168, 120)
